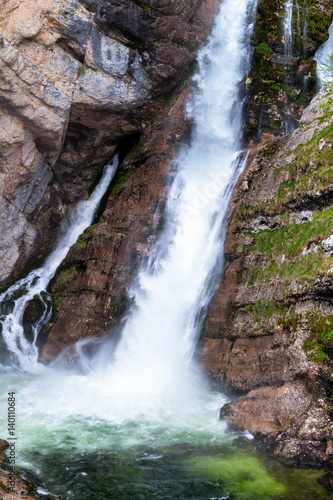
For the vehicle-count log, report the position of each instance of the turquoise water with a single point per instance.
(77, 442)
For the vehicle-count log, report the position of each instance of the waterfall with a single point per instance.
(24, 353)
(323, 57)
(288, 28)
(175, 286)
(141, 405)
(291, 7)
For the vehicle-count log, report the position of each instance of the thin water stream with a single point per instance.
(137, 420)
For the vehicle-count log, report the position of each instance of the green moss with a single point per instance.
(264, 50)
(262, 310)
(120, 180)
(321, 332)
(4, 487)
(83, 237)
(59, 168)
(306, 268)
(147, 9)
(292, 239)
(55, 299)
(242, 476)
(19, 293)
(65, 278)
(247, 211)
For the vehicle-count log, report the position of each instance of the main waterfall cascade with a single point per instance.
(175, 286)
(136, 420)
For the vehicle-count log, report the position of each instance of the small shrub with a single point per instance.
(81, 70)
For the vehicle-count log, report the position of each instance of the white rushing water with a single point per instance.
(147, 390)
(288, 27)
(24, 354)
(324, 57)
(291, 14)
(153, 358)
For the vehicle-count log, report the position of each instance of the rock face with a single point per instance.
(269, 331)
(19, 489)
(76, 80)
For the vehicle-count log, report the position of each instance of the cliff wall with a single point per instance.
(269, 332)
(78, 81)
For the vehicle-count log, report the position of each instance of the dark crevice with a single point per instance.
(125, 146)
(70, 51)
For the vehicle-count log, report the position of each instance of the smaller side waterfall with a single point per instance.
(24, 353)
(288, 27)
(292, 23)
(294, 27)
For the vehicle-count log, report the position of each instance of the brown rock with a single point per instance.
(107, 257)
(8, 491)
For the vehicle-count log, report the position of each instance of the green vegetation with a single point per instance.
(147, 9)
(264, 50)
(56, 301)
(4, 487)
(64, 278)
(81, 70)
(292, 239)
(311, 170)
(59, 168)
(263, 310)
(120, 180)
(19, 293)
(305, 268)
(321, 328)
(82, 238)
(290, 242)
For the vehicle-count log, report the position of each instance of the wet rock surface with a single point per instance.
(14, 487)
(91, 289)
